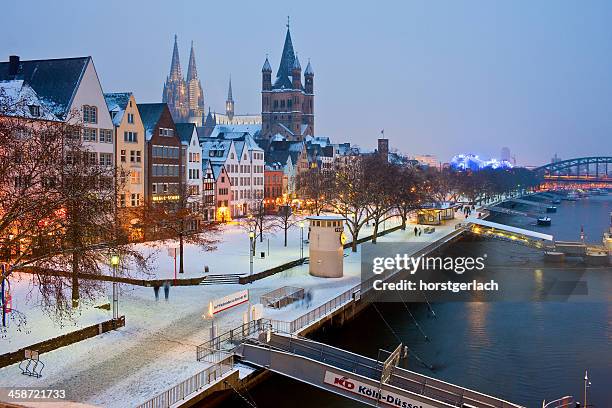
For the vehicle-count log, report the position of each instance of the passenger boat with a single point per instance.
(571, 196)
(544, 221)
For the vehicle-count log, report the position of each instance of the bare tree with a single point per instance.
(409, 191)
(315, 188)
(57, 207)
(351, 198)
(180, 220)
(284, 220)
(257, 222)
(379, 186)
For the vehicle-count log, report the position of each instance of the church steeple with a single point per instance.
(229, 103)
(192, 71)
(175, 65)
(288, 57)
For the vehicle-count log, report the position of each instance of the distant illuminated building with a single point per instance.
(428, 160)
(505, 154)
(475, 163)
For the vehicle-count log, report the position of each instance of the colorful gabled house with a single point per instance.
(70, 90)
(129, 156)
(222, 193)
(163, 158)
(192, 160)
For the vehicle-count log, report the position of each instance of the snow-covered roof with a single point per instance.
(325, 217)
(266, 66)
(296, 63)
(150, 113)
(309, 70)
(19, 97)
(185, 131)
(252, 129)
(54, 80)
(116, 104)
(216, 150)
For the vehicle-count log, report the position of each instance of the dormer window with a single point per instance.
(34, 110)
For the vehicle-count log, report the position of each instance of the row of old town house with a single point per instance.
(226, 163)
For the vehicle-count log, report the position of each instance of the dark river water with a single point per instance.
(520, 351)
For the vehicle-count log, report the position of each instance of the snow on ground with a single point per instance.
(232, 253)
(157, 348)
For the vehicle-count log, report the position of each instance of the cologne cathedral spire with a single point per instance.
(192, 71)
(175, 65)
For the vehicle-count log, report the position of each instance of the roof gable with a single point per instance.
(150, 113)
(54, 80)
(186, 131)
(117, 102)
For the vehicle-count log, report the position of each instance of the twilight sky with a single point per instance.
(440, 77)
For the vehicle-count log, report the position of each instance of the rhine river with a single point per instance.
(520, 351)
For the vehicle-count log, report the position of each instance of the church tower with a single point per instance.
(229, 103)
(175, 88)
(195, 95)
(287, 106)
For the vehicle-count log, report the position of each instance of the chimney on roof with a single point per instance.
(13, 65)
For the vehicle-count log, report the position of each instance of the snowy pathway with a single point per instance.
(156, 349)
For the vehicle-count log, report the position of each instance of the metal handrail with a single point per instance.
(182, 390)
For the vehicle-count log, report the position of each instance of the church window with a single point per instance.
(275, 104)
(283, 103)
(289, 102)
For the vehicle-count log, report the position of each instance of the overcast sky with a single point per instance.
(440, 77)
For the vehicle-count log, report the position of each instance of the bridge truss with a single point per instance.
(595, 171)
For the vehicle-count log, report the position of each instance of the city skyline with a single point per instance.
(439, 79)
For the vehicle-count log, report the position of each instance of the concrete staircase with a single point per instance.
(225, 279)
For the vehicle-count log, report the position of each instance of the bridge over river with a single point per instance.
(371, 382)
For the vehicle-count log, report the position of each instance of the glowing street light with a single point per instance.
(115, 263)
(301, 239)
(251, 236)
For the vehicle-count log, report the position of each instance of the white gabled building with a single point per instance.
(70, 89)
(244, 162)
(193, 164)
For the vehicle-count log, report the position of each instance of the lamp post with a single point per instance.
(302, 239)
(587, 384)
(115, 264)
(251, 236)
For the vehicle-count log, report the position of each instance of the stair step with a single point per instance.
(230, 278)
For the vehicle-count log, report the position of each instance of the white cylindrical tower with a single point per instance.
(326, 240)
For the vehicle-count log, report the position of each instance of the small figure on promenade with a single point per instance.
(166, 289)
(156, 290)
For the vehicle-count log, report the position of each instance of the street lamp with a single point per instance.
(115, 263)
(587, 384)
(301, 239)
(251, 236)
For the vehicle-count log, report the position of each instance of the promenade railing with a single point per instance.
(180, 391)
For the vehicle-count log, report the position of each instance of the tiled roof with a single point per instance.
(150, 114)
(117, 102)
(54, 80)
(185, 131)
